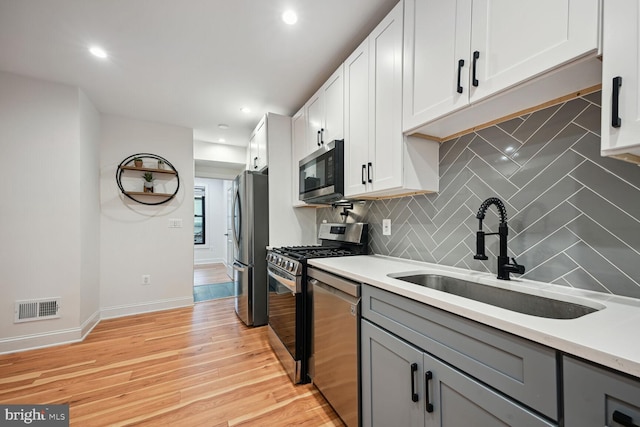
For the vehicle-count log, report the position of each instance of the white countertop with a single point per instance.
(608, 336)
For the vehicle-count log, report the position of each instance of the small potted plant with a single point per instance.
(137, 162)
(160, 164)
(148, 182)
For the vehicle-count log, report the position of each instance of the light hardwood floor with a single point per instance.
(207, 274)
(195, 366)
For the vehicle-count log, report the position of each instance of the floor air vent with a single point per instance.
(36, 309)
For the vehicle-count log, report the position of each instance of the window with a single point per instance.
(199, 219)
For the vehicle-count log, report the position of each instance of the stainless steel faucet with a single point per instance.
(504, 267)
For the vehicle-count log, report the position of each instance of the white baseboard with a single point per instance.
(130, 309)
(72, 335)
(210, 261)
(41, 340)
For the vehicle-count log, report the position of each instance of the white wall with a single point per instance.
(215, 248)
(45, 207)
(135, 238)
(89, 128)
(219, 152)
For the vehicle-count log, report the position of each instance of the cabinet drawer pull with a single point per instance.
(369, 172)
(364, 170)
(623, 420)
(616, 121)
(428, 406)
(476, 55)
(414, 395)
(460, 65)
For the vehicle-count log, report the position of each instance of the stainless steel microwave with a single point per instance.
(321, 174)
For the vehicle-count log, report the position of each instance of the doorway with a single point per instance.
(211, 278)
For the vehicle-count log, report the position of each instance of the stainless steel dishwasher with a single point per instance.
(336, 338)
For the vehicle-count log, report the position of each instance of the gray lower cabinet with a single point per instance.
(480, 376)
(594, 396)
(404, 386)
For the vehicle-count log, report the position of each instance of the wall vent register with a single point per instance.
(36, 309)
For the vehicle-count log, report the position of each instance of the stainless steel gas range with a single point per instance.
(291, 302)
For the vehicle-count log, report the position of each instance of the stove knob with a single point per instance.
(290, 266)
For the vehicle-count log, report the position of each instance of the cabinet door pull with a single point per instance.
(369, 172)
(322, 136)
(428, 406)
(460, 65)
(255, 163)
(318, 139)
(364, 170)
(623, 419)
(476, 55)
(616, 121)
(414, 395)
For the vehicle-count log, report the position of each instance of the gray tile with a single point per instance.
(482, 191)
(533, 122)
(450, 208)
(493, 157)
(444, 196)
(551, 269)
(492, 178)
(607, 245)
(456, 255)
(545, 228)
(447, 245)
(556, 170)
(551, 151)
(595, 97)
(589, 146)
(549, 200)
(608, 216)
(580, 279)
(450, 150)
(603, 271)
(625, 196)
(455, 168)
(535, 247)
(499, 139)
(510, 126)
(590, 119)
(451, 224)
(562, 282)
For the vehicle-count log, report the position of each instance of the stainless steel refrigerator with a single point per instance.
(251, 237)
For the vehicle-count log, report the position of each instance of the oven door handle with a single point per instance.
(289, 284)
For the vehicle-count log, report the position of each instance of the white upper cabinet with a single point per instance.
(621, 80)
(257, 153)
(378, 160)
(460, 52)
(325, 112)
(298, 150)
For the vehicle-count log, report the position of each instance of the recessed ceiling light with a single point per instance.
(290, 17)
(245, 110)
(223, 126)
(97, 51)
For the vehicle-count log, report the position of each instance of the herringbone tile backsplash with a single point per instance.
(574, 217)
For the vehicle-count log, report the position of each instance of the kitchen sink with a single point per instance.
(520, 302)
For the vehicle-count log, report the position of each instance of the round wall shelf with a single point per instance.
(151, 163)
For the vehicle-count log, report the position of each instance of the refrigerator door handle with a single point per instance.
(236, 220)
(239, 267)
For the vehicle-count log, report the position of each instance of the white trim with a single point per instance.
(41, 340)
(210, 261)
(88, 325)
(131, 309)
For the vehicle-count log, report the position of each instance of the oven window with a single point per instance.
(282, 314)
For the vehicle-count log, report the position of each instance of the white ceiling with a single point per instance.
(191, 63)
